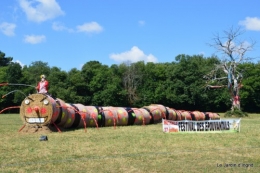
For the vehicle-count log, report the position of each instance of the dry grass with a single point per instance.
(128, 149)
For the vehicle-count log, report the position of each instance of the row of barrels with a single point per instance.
(78, 115)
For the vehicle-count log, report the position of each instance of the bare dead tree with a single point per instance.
(234, 52)
(131, 80)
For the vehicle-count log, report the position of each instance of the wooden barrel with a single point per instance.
(199, 116)
(187, 115)
(179, 115)
(83, 117)
(155, 112)
(172, 114)
(216, 116)
(122, 116)
(142, 116)
(92, 114)
(208, 115)
(110, 116)
(63, 115)
(163, 109)
(71, 116)
(182, 115)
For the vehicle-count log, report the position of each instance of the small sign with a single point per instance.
(209, 126)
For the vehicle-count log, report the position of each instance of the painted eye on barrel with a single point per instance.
(27, 101)
(45, 101)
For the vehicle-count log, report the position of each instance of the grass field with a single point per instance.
(129, 149)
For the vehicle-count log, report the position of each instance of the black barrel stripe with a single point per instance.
(77, 117)
(131, 118)
(192, 116)
(206, 115)
(167, 113)
(102, 119)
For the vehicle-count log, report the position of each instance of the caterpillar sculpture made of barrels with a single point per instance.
(42, 110)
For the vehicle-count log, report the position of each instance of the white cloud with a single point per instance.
(7, 28)
(41, 10)
(34, 39)
(251, 23)
(134, 55)
(19, 62)
(90, 27)
(141, 23)
(57, 26)
(80, 66)
(202, 53)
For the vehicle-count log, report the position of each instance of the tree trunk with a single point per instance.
(235, 98)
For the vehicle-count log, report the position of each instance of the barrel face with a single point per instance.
(38, 109)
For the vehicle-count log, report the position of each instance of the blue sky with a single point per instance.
(67, 34)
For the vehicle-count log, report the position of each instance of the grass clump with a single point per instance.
(235, 113)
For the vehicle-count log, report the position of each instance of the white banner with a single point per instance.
(222, 125)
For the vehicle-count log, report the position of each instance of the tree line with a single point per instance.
(178, 84)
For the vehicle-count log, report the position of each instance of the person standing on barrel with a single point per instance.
(42, 86)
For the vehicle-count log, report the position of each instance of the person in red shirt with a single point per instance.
(42, 86)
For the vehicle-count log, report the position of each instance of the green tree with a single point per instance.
(113, 91)
(153, 84)
(95, 77)
(3, 89)
(33, 72)
(14, 76)
(4, 61)
(77, 90)
(186, 87)
(58, 83)
(250, 91)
